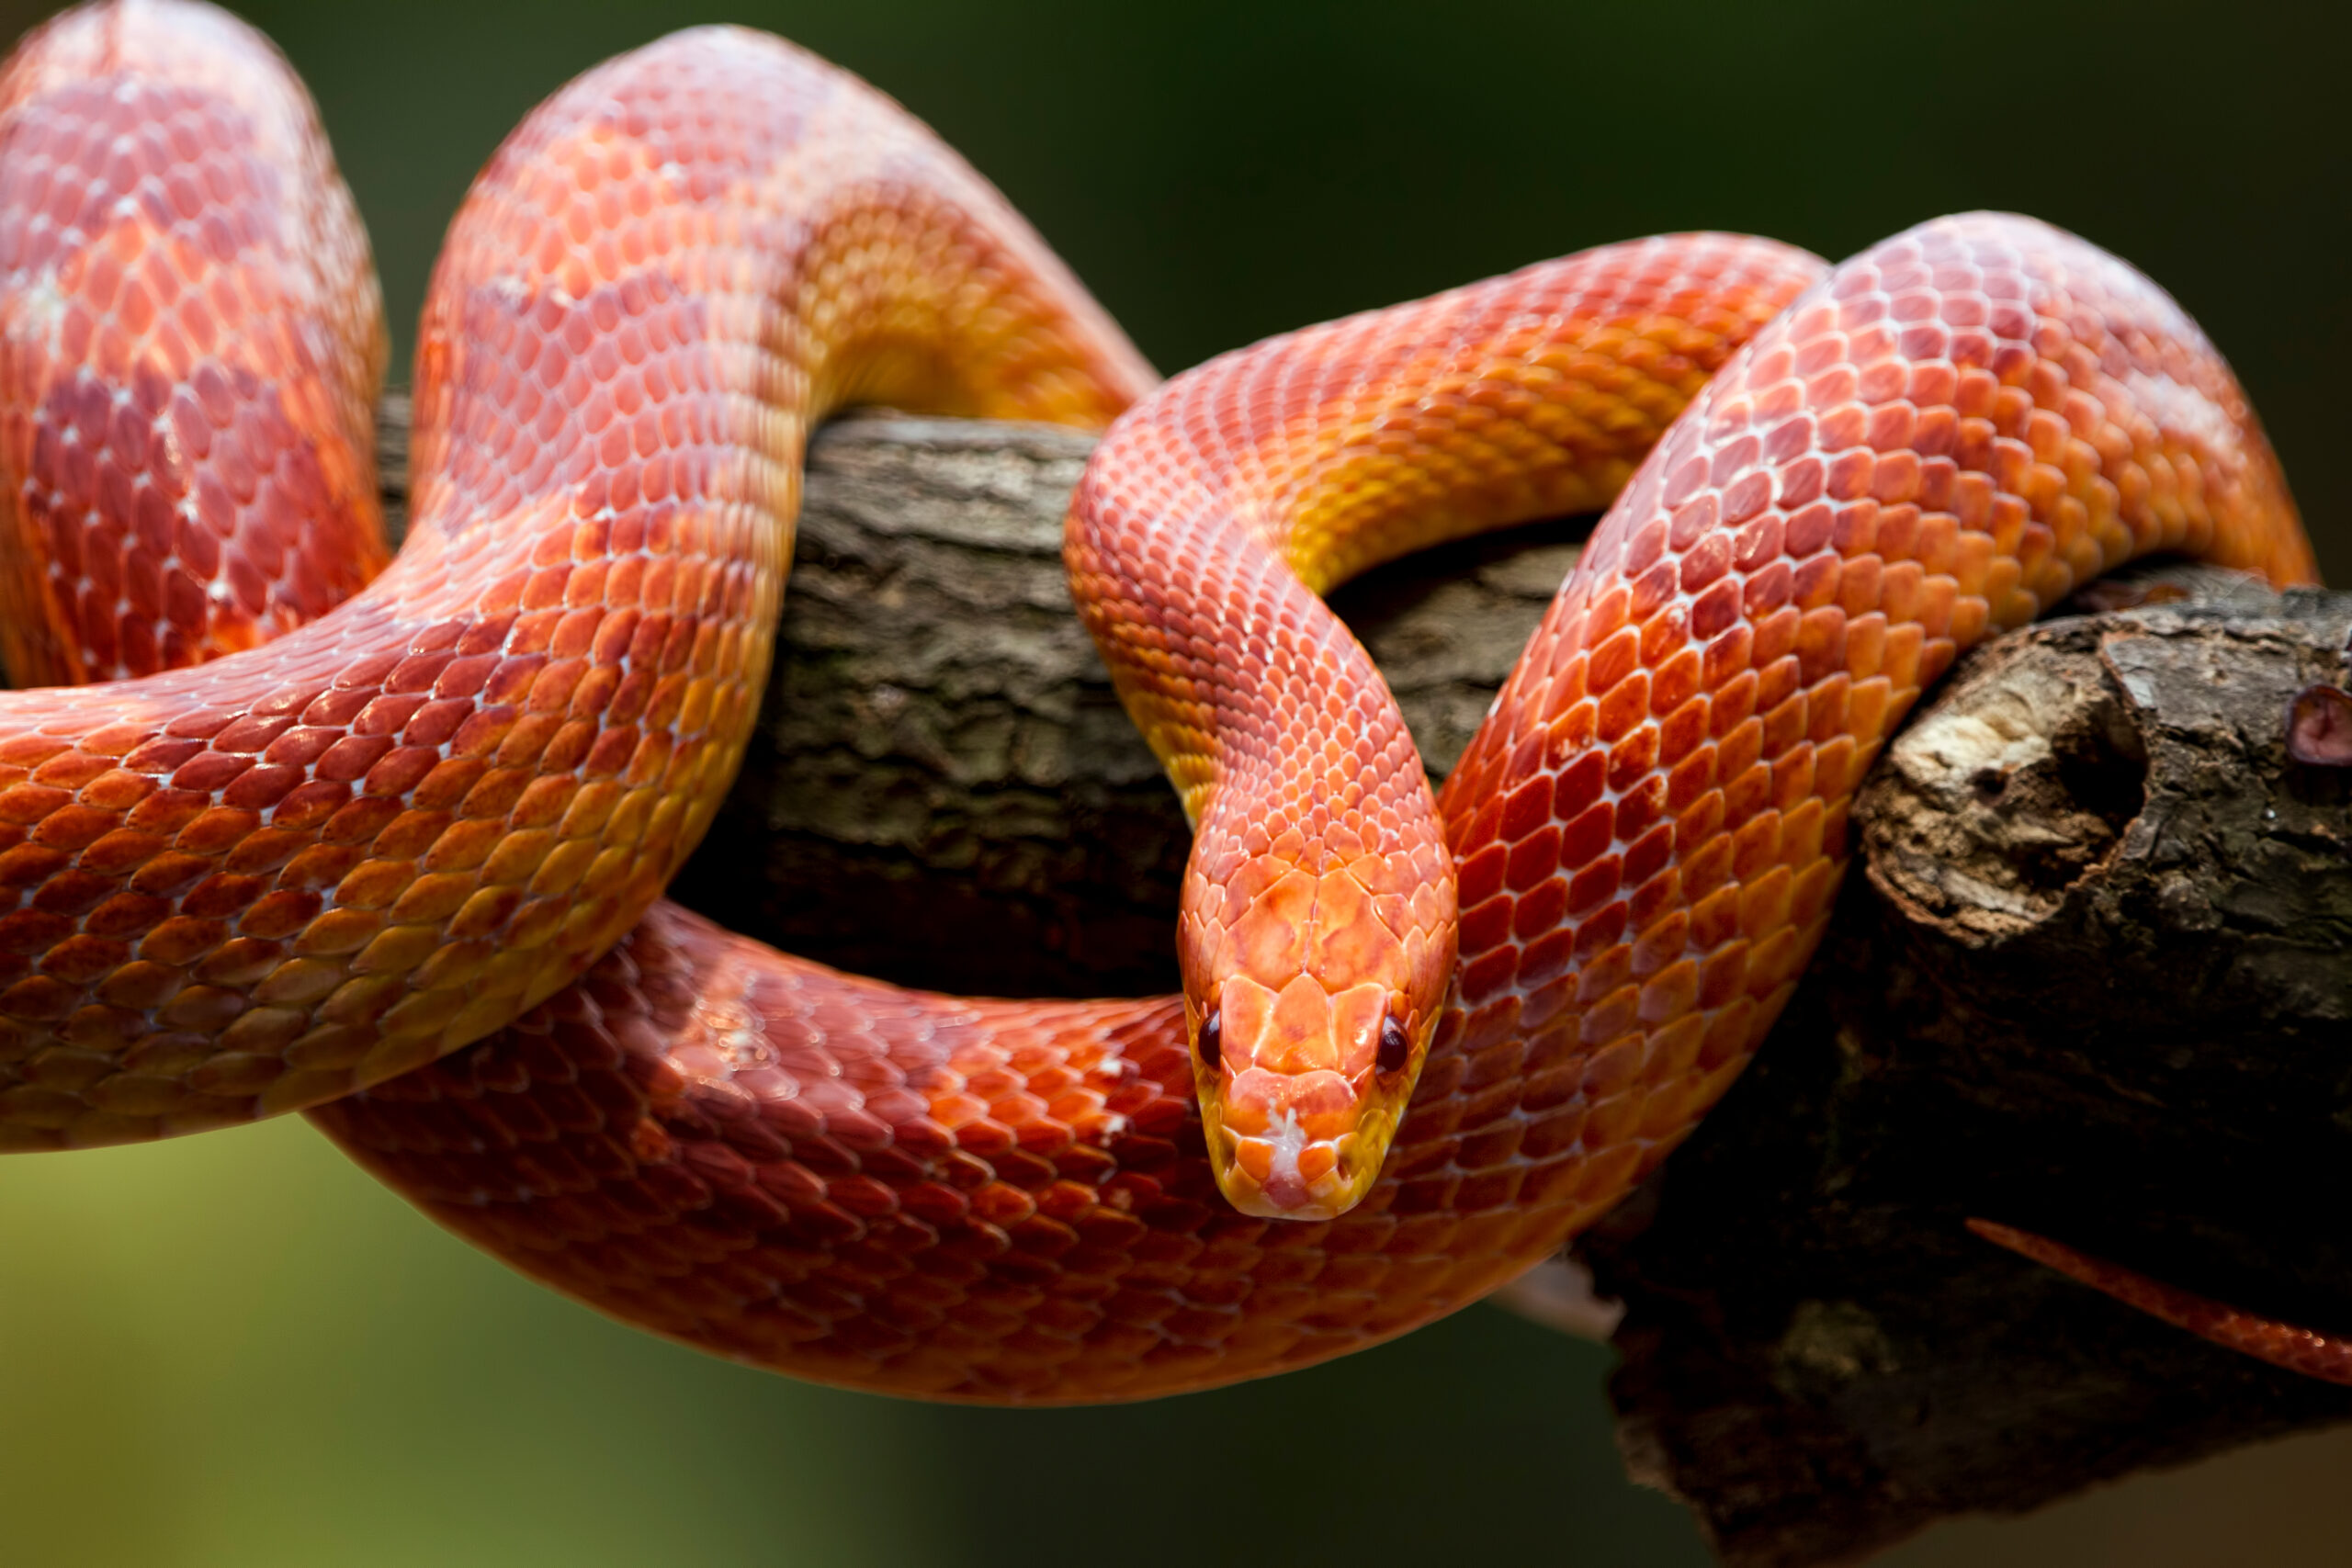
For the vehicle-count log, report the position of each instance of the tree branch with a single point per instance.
(2094, 983)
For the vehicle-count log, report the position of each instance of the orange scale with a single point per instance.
(1451, 461)
(1542, 854)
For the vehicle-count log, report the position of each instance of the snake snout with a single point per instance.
(1311, 1016)
(1301, 1090)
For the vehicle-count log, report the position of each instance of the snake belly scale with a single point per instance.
(463, 789)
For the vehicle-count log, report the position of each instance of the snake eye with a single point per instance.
(1213, 1037)
(1395, 1048)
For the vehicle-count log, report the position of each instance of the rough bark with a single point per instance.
(2094, 982)
(944, 789)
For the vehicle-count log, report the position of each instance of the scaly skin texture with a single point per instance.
(1009, 1202)
(191, 343)
(261, 883)
(658, 283)
(1318, 905)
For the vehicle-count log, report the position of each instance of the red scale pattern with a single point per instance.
(1198, 541)
(258, 884)
(976, 1199)
(190, 345)
(661, 277)
(1941, 441)
(1648, 831)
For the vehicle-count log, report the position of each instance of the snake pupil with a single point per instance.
(1393, 1047)
(1212, 1037)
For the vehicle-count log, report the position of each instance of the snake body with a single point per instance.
(193, 341)
(667, 273)
(303, 867)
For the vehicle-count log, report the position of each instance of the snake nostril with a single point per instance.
(1395, 1047)
(1213, 1037)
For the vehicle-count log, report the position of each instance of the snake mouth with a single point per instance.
(1284, 1173)
(1301, 1092)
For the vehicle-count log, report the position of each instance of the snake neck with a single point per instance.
(1315, 925)
(1316, 933)
(1315, 938)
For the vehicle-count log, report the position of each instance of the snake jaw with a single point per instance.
(1299, 1092)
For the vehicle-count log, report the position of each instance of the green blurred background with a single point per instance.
(237, 1351)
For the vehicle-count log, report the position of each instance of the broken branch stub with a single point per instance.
(2094, 981)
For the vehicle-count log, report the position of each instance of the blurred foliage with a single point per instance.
(237, 1351)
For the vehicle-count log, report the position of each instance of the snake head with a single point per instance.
(1310, 1005)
